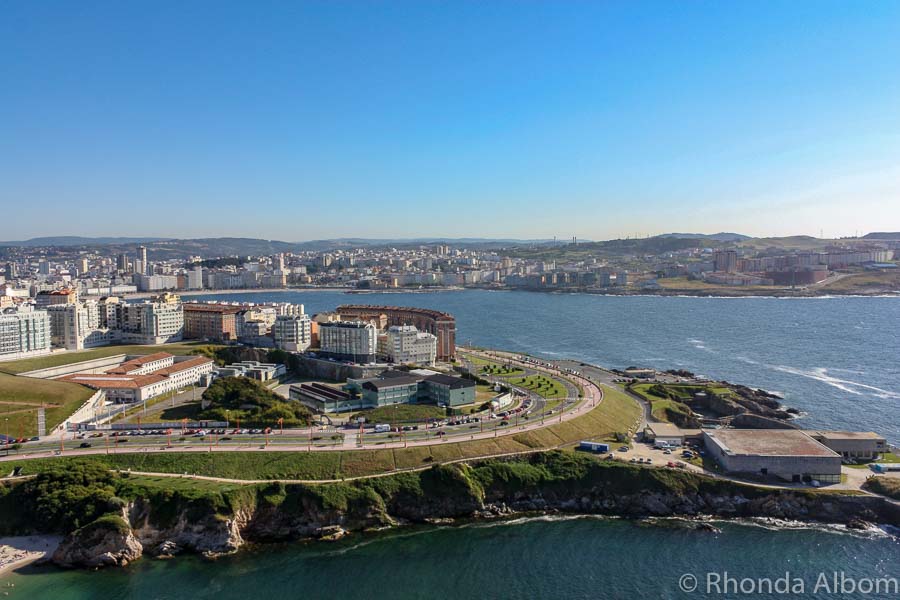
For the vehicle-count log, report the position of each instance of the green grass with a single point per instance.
(887, 457)
(67, 358)
(543, 385)
(886, 486)
(617, 413)
(401, 413)
(20, 397)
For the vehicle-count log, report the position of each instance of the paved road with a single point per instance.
(593, 396)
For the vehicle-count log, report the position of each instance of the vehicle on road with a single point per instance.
(85, 445)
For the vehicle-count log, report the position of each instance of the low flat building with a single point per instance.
(252, 369)
(789, 454)
(669, 434)
(390, 388)
(325, 399)
(446, 390)
(866, 445)
(128, 385)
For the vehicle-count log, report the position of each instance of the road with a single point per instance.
(298, 440)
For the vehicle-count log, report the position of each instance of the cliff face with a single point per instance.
(161, 526)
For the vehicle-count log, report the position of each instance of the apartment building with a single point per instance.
(355, 341)
(24, 332)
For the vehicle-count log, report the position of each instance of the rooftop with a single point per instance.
(768, 442)
(845, 435)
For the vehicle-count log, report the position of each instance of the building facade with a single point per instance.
(440, 324)
(24, 332)
(404, 344)
(355, 341)
(292, 332)
(210, 322)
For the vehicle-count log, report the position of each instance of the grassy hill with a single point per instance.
(20, 397)
(67, 358)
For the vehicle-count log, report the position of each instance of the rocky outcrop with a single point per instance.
(107, 542)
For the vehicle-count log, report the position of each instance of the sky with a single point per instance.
(390, 119)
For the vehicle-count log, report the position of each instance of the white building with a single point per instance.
(24, 332)
(155, 283)
(356, 341)
(157, 321)
(78, 326)
(292, 332)
(146, 377)
(404, 344)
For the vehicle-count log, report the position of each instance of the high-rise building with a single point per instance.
(726, 261)
(216, 322)
(77, 326)
(122, 262)
(292, 332)
(404, 344)
(195, 278)
(356, 341)
(157, 321)
(146, 268)
(24, 332)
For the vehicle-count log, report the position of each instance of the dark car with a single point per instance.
(85, 445)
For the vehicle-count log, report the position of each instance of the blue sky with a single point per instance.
(306, 120)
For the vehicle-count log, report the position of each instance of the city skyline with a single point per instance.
(412, 120)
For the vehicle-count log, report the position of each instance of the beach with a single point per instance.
(16, 552)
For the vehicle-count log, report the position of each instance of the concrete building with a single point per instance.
(404, 344)
(156, 283)
(446, 390)
(216, 322)
(865, 445)
(159, 320)
(788, 454)
(24, 332)
(252, 369)
(395, 387)
(45, 298)
(440, 324)
(726, 261)
(292, 332)
(140, 384)
(354, 341)
(78, 326)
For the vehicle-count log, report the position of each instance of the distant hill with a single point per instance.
(170, 248)
(716, 237)
(73, 240)
(882, 235)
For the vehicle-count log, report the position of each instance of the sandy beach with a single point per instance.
(16, 552)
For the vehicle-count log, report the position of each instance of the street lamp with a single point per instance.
(227, 413)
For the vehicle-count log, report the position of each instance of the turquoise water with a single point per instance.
(542, 558)
(834, 358)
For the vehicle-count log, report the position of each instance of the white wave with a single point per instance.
(873, 532)
(851, 387)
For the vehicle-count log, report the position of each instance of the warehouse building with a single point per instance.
(865, 445)
(788, 454)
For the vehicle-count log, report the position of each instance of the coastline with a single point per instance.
(18, 551)
(667, 293)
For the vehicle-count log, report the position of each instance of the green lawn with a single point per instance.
(20, 397)
(492, 367)
(543, 385)
(617, 413)
(400, 413)
(886, 486)
(67, 358)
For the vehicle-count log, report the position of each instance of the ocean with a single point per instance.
(835, 359)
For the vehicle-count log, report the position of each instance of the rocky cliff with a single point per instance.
(163, 523)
